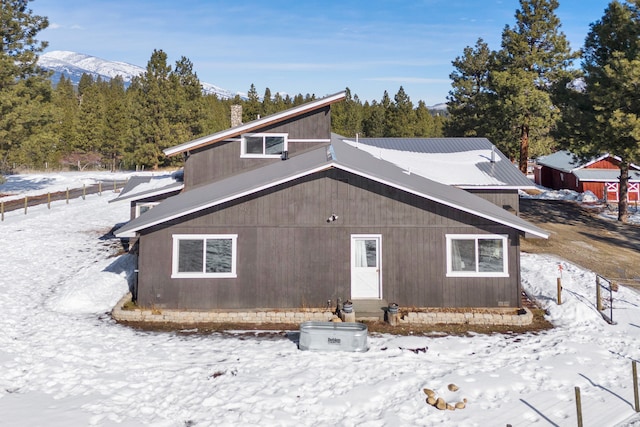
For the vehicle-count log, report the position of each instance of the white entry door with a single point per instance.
(365, 266)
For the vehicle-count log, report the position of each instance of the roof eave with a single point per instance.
(144, 195)
(256, 124)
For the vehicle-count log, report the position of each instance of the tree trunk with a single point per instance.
(624, 189)
(524, 148)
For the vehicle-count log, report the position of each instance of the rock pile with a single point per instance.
(441, 403)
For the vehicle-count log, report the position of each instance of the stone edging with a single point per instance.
(217, 316)
(509, 317)
(424, 316)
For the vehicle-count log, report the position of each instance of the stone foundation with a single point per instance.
(427, 316)
(509, 317)
(218, 316)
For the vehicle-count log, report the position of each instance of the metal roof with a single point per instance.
(490, 167)
(256, 124)
(336, 155)
(131, 189)
(563, 161)
(430, 145)
(609, 175)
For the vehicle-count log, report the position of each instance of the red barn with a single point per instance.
(564, 170)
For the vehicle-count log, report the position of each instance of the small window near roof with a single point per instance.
(144, 206)
(204, 255)
(267, 145)
(477, 255)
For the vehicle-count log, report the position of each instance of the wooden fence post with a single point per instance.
(559, 291)
(598, 296)
(114, 185)
(579, 406)
(84, 191)
(2, 210)
(635, 385)
(49, 200)
(100, 188)
(25, 204)
(67, 195)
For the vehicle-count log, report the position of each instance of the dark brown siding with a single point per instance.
(506, 199)
(290, 256)
(222, 159)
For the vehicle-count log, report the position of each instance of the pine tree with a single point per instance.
(507, 95)
(401, 117)
(468, 101)
(67, 120)
(268, 105)
(25, 92)
(93, 116)
(346, 116)
(118, 123)
(535, 55)
(427, 126)
(604, 116)
(251, 107)
(373, 122)
(152, 96)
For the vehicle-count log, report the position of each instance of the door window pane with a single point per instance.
(372, 250)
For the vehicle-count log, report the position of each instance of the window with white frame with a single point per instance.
(143, 207)
(269, 145)
(204, 255)
(477, 255)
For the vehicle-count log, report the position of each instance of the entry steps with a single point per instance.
(369, 309)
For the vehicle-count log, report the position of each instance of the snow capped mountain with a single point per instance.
(73, 65)
(439, 107)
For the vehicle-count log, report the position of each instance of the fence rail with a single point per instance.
(74, 193)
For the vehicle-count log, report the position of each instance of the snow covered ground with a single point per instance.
(65, 362)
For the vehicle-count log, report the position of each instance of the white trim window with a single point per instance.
(204, 255)
(144, 206)
(263, 145)
(477, 255)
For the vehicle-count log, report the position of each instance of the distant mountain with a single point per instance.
(73, 65)
(439, 107)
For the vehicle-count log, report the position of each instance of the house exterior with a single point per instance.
(600, 175)
(316, 219)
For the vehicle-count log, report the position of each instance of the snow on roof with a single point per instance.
(139, 187)
(463, 162)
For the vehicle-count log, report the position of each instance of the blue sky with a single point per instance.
(296, 47)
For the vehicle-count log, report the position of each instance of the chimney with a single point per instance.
(236, 115)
